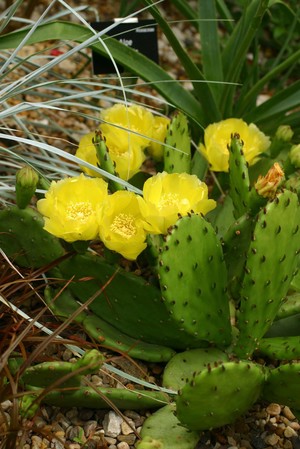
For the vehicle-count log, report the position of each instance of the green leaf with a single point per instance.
(210, 45)
(236, 48)
(254, 91)
(169, 88)
(282, 102)
(201, 85)
(187, 11)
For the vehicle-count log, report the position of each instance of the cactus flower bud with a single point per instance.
(267, 185)
(281, 140)
(26, 182)
(295, 155)
(284, 133)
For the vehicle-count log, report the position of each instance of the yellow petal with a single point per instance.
(121, 227)
(217, 137)
(70, 207)
(167, 196)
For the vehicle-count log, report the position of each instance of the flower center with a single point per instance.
(167, 200)
(79, 211)
(123, 225)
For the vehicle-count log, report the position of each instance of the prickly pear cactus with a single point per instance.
(47, 373)
(282, 385)
(193, 280)
(182, 366)
(239, 177)
(73, 390)
(177, 154)
(163, 430)
(104, 159)
(280, 348)
(219, 394)
(124, 301)
(270, 264)
(23, 238)
(104, 333)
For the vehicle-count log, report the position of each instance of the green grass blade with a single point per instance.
(186, 10)
(129, 58)
(225, 14)
(9, 14)
(210, 45)
(202, 89)
(243, 107)
(236, 48)
(282, 102)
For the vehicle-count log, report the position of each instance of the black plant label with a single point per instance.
(141, 35)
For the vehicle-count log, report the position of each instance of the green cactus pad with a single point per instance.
(219, 395)
(24, 240)
(236, 243)
(62, 304)
(177, 154)
(269, 268)
(290, 307)
(164, 428)
(295, 284)
(182, 366)
(283, 385)
(89, 397)
(45, 374)
(106, 335)
(287, 327)
(280, 348)
(238, 176)
(104, 159)
(103, 333)
(128, 303)
(193, 280)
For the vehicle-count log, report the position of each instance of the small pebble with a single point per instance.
(86, 414)
(273, 409)
(5, 405)
(288, 413)
(123, 445)
(272, 439)
(110, 440)
(90, 427)
(112, 424)
(75, 432)
(72, 413)
(289, 432)
(129, 439)
(231, 441)
(126, 429)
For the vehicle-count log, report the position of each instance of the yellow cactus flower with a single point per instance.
(217, 137)
(166, 196)
(127, 161)
(87, 152)
(156, 149)
(70, 207)
(121, 225)
(132, 118)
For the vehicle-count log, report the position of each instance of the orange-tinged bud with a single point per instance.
(267, 185)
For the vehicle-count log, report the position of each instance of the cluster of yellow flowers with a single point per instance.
(80, 208)
(128, 131)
